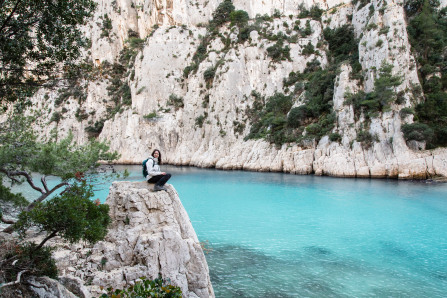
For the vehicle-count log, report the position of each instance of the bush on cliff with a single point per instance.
(158, 287)
(427, 31)
(71, 215)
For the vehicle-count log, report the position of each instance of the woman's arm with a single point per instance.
(150, 168)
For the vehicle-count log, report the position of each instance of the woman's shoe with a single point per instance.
(158, 188)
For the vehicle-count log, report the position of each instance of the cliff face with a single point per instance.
(209, 126)
(150, 234)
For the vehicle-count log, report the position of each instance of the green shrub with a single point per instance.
(222, 13)
(335, 137)
(151, 116)
(239, 18)
(308, 49)
(418, 131)
(82, 220)
(366, 138)
(209, 74)
(406, 111)
(315, 12)
(106, 26)
(175, 101)
(307, 30)
(277, 52)
(427, 31)
(199, 120)
(96, 129)
(56, 117)
(147, 288)
(35, 262)
(342, 43)
(297, 116)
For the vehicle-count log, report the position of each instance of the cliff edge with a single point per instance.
(150, 234)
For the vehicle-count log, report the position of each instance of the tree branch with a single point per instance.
(22, 173)
(14, 282)
(53, 234)
(43, 196)
(44, 183)
(10, 15)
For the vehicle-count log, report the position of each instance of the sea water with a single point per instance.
(282, 235)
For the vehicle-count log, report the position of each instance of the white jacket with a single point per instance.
(152, 167)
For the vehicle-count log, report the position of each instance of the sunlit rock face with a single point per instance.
(150, 234)
(210, 127)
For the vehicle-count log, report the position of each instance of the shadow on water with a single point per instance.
(244, 272)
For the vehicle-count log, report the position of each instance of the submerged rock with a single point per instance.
(150, 234)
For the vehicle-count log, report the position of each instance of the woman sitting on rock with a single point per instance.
(154, 174)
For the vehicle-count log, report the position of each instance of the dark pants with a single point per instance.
(159, 180)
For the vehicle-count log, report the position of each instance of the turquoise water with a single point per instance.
(280, 235)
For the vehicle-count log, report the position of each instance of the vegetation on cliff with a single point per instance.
(64, 210)
(427, 30)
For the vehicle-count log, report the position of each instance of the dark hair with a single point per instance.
(159, 155)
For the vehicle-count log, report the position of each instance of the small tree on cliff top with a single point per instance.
(71, 214)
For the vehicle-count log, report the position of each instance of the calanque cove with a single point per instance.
(333, 88)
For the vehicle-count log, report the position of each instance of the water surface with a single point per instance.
(281, 235)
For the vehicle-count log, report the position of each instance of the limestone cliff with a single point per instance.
(208, 124)
(150, 234)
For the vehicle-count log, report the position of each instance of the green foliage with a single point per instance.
(427, 30)
(271, 121)
(71, 215)
(277, 52)
(366, 138)
(20, 150)
(176, 101)
(406, 111)
(239, 18)
(321, 128)
(418, 131)
(18, 200)
(147, 288)
(307, 29)
(335, 137)
(381, 98)
(314, 116)
(342, 44)
(106, 26)
(315, 12)
(201, 119)
(150, 116)
(56, 117)
(81, 114)
(209, 74)
(36, 262)
(36, 39)
(308, 49)
(96, 129)
(222, 13)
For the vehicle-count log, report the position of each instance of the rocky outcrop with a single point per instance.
(218, 140)
(150, 234)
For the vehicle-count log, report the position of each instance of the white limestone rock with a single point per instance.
(150, 234)
(246, 67)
